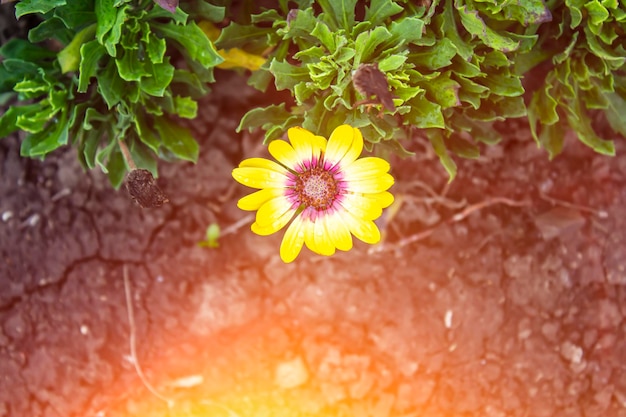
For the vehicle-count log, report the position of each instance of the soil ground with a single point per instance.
(500, 294)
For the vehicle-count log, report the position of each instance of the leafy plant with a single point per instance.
(449, 65)
(113, 84)
(587, 45)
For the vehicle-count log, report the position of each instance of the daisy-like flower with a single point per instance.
(321, 186)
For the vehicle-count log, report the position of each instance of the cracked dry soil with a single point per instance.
(514, 308)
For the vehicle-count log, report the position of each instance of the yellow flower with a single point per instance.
(322, 185)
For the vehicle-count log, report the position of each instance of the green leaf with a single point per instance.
(262, 117)
(17, 48)
(24, 7)
(462, 147)
(551, 138)
(408, 29)
(8, 121)
(129, 67)
(380, 10)
(116, 167)
(91, 140)
(439, 146)
(160, 77)
(477, 27)
(147, 135)
(581, 123)
(615, 113)
(185, 107)
(177, 139)
(156, 48)
(37, 119)
(31, 88)
(210, 11)
(69, 57)
(193, 39)
(76, 14)
(444, 90)
(44, 142)
(597, 12)
(367, 42)
(392, 62)
(325, 36)
(90, 54)
(49, 29)
(106, 14)
(142, 157)
(238, 36)
(341, 12)
(436, 57)
(447, 25)
(110, 85)
(425, 114)
(287, 75)
(112, 38)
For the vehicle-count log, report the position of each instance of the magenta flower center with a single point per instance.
(316, 188)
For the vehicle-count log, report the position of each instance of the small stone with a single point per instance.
(291, 374)
(571, 352)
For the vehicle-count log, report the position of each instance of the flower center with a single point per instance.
(316, 188)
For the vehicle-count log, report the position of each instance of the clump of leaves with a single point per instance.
(112, 80)
(587, 47)
(449, 66)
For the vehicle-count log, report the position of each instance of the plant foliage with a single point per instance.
(113, 81)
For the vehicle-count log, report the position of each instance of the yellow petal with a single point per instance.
(306, 145)
(371, 185)
(262, 163)
(364, 230)
(361, 207)
(344, 146)
(291, 244)
(338, 232)
(273, 211)
(321, 236)
(273, 227)
(284, 153)
(365, 167)
(260, 177)
(255, 200)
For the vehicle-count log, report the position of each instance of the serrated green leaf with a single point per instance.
(425, 114)
(21, 49)
(90, 142)
(439, 56)
(52, 28)
(47, 140)
(211, 12)
(102, 154)
(106, 14)
(69, 57)
(129, 67)
(367, 42)
(476, 26)
(177, 139)
(31, 88)
(110, 85)
(340, 12)
(266, 116)
(302, 25)
(392, 62)
(444, 90)
(160, 77)
(528, 12)
(156, 48)
(76, 14)
(287, 75)
(90, 54)
(112, 37)
(447, 25)
(37, 119)
(408, 29)
(437, 141)
(193, 39)
(24, 7)
(615, 112)
(323, 33)
(8, 121)
(238, 36)
(503, 85)
(186, 107)
(551, 138)
(580, 122)
(597, 13)
(380, 10)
